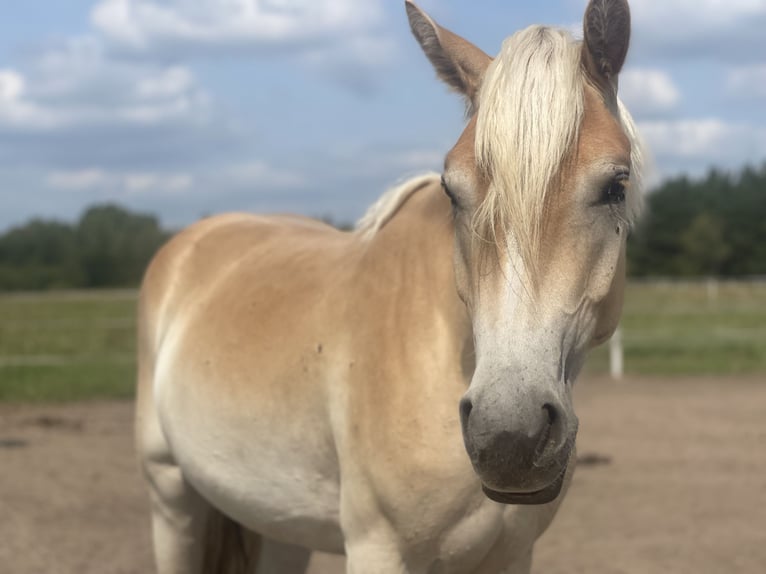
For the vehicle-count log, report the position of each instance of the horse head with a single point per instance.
(545, 184)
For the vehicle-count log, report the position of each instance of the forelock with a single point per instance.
(530, 109)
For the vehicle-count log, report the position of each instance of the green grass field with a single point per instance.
(80, 345)
(67, 346)
(691, 329)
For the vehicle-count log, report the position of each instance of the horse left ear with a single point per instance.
(460, 64)
(607, 36)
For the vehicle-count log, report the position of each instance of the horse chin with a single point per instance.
(542, 496)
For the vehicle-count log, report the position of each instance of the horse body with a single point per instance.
(364, 394)
(322, 388)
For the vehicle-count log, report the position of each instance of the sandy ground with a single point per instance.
(673, 480)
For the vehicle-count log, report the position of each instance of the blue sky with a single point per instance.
(191, 107)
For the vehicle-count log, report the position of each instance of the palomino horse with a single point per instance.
(302, 388)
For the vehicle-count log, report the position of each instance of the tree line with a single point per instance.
(108, 247)
(714, 226)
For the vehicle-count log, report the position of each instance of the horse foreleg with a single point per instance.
(179, 521)
(372, 546)
(374, 557)
(180, 515)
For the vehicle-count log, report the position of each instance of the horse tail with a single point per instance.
(229, 547)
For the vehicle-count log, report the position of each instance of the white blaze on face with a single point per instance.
(518, 338)
(542, 331)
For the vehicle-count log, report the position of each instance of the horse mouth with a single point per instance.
(542, 496)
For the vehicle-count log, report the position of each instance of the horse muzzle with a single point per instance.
(520, 452)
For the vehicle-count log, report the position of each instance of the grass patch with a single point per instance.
(67, 346)
(691, 329)
(67, 382)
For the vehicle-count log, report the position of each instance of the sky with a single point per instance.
(186, 108)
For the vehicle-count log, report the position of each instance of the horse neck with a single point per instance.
(410, 263)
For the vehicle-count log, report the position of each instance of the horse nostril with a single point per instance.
(553, 414)
(550, 435)
(466, 406)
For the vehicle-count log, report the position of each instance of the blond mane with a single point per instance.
(530, 108)
(389, 203)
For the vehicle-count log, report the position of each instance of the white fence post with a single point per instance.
(712, 290)
(616, 355)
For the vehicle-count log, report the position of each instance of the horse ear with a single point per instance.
(457, 62)
(607, 36)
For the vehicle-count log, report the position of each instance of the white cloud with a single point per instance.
(687, 138)
(11, 86)
(16, 110)
(695, 144)
(86, 179)
(153, 182)
(78, 85)
(259, 174)
(346, 40)
(648, 91)
(380, 162)
(148, 25)
(132, 183)
(747, 82)
(169, 83)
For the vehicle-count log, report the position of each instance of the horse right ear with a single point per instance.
(457, 62)
(607, 36)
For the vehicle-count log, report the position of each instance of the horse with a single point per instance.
(400, 393)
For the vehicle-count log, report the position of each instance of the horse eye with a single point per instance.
(449, 193)
(614, 192)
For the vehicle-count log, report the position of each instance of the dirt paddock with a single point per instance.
(672, 479)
